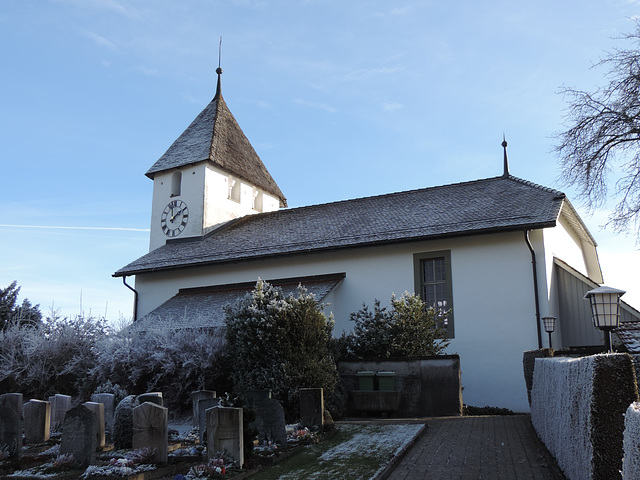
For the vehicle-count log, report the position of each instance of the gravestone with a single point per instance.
(151, 429)
(59, 406)
(37, 421)
(11, 423)
(311, 407)
(79, 435)
(224, 431)
(109, 402)
(153, 397)
(255, 396)
(204, 405)
(123, 422)
(98, 412)
(195, 398)
(270, 422)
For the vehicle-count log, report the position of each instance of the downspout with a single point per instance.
(135, 298)
(535, 286)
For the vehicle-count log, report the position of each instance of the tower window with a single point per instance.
(234, 189)
(176, 184)
(257, 200)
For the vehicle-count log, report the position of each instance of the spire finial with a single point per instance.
(219, 70)
(505, 173)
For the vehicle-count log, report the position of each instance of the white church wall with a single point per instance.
(494, 310)
(192, 182)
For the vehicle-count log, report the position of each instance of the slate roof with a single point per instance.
(490, 205)
(215, 136)
(204, 307)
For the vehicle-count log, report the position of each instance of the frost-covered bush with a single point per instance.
(53, 357)
(409, 328)
(577, 409)
(631, 445)
(175, 362)
(279, 343)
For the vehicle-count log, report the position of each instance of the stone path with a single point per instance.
(466, 448)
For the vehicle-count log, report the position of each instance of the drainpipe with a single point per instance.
(135, 298)
(535, 286)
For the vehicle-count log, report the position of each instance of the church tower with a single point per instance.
(211, 174)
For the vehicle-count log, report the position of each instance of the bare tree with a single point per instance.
(604, 138)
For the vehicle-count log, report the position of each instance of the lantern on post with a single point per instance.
(549, 326)
(605, 310)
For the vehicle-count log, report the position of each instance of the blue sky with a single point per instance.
(341, 99)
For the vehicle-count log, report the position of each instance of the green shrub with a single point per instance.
(409, 328)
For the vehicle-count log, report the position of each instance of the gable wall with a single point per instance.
(492, 297)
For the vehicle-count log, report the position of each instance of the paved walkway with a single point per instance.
(471, 448)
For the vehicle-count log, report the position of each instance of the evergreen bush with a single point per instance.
(280, 343)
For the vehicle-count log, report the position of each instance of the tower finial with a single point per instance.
(505, 172)
(219, 70)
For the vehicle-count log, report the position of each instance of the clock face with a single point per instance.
(174, 218)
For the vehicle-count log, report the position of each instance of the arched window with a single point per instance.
(176, 183)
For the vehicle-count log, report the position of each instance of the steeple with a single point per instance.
(505, 172)
(216, 137)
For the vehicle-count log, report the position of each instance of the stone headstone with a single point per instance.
(98, 412)
(79, 435)
(224, 432)
(311, 407)
(11, 423)
(195, 398)
(270, 422)
(37, 421)
(204, 405)
(151, 429)
(123, 422)
(59, 406)
(255, 396)
(153, 397)
(109, 402)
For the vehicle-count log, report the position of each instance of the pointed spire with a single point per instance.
(505, 173)
(219, 70)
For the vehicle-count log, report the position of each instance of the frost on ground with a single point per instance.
(387, 438)
(367, 451)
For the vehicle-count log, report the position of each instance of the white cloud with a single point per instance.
(100, 40)
(113, 6)
(317, 105)
(390, 106)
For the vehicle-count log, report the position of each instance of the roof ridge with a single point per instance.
(433, 188)
(537, 185)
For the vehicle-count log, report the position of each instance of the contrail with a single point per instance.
(122, 229)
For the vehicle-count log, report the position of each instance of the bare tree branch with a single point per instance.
(603, 136)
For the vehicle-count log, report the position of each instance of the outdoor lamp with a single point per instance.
(605, 310)
(549, 326)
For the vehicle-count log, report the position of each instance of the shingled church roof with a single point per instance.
(215, 136)
(499, 204)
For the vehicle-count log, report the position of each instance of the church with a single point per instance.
(503, 252)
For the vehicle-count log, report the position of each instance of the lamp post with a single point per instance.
(605, 310)
(549, 326)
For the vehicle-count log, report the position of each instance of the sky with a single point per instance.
(341, 99)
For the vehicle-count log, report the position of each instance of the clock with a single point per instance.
(174, 218)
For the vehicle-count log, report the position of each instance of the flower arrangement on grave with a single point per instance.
(219, 465)
(134, 462)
